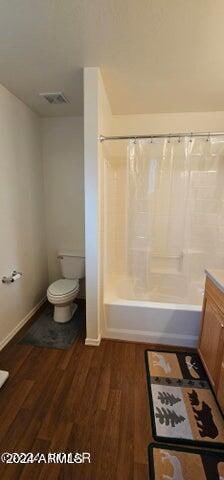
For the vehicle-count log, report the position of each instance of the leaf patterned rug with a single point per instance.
(183, 406)
(180, 463)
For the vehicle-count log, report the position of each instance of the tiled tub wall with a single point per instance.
(193, 236)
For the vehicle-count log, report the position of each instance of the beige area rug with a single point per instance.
(183, 408)
(180, 463)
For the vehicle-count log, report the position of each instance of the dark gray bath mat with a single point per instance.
(45, 332)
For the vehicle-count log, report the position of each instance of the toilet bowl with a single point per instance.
(63, 292)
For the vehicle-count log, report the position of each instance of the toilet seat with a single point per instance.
(63, 287)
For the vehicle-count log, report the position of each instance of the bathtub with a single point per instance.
(146, 319)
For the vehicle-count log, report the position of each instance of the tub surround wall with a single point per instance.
(115, 173)
(64, 188)
(186, 214)
(23, 238)
(145, 320)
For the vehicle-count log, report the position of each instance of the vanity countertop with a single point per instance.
(217, 276)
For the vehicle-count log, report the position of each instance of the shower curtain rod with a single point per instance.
(103, 138)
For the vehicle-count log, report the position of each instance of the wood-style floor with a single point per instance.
(91, 399)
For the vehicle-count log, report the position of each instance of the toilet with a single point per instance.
(63, 292)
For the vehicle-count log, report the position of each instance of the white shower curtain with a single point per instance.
(174, 197)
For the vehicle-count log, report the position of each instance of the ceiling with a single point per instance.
(155, 55)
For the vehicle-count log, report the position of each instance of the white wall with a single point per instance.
(22, 238)
(64, 187)
(104, 128)
(168, 123)
(97, 117)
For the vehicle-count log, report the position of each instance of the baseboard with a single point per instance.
(151, 337)
(94, 342)
(15, 330)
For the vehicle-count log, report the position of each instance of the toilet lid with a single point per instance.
(63, 286)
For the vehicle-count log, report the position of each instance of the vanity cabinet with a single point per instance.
(211, 342)
(220, 391)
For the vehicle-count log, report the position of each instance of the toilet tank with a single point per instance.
(72, 264)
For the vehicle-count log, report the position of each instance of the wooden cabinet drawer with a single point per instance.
(220, 391)
(216, 295)
(212, 340)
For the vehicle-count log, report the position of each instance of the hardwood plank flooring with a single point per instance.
(91, 399)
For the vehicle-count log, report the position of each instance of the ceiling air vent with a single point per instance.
(55, 98)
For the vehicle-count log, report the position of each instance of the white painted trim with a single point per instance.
(94, 342)
(13, 332)
(150, 337)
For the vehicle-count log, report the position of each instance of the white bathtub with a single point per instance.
(150, 321)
